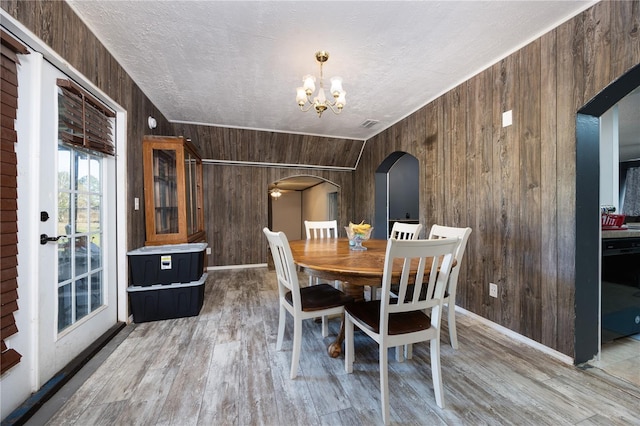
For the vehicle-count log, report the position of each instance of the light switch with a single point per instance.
(507, 118)
(136, 203)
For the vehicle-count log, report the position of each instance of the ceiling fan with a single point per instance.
(275, 192)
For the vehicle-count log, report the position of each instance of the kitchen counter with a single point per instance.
(632, 231)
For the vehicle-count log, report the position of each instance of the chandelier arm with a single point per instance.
(333, 109)
(320, 102)
(307, 106)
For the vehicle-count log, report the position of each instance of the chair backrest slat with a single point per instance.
(439, 252)
(321, 228)
(405, 231)
(439, 231)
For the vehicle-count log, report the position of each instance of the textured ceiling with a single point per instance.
(237, 64)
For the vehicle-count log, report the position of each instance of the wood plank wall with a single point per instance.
(514, 186)
(56, 24)
(236, 196)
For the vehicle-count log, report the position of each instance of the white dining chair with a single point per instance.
(301, 302)
(462, 234)
(321, 229)
(405, 231)
(406, 317)
(400, 231)
(439, 231)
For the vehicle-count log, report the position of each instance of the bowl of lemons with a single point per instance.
(357, 233)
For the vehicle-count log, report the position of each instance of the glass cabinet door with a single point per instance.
(191, 195)
(172, 191)
(165, 191)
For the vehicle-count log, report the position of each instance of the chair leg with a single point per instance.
(325, 326)
(399, 353)
(374, 293)
(281, 323)
(451, 323)
(384, 383)
(436, 372)
(349, 356)
(408, 351)
(297, 343)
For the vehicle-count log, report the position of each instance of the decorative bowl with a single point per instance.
(356, 238)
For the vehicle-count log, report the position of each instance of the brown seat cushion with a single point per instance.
(318, 297)
(399, 323)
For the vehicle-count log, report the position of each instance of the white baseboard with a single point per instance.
(519, 337)
(219, 268)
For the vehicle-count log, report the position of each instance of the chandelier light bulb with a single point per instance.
(336, 86)
(309, 84)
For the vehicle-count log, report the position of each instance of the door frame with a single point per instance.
(22, 380)
(588, 232)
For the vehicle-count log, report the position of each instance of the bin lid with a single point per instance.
(168, 249)
(201, 281)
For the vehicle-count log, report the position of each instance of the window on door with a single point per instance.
(80, 272)
(84, 138)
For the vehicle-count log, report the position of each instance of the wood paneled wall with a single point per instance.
(515, 186)
(236, 196)
(228, 144)
(57, 25)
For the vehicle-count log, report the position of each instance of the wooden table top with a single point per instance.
(333, 256)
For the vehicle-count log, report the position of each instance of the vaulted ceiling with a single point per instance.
(237, 63)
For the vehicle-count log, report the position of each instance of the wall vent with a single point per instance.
(367, 124)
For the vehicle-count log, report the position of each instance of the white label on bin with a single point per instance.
(165, 262)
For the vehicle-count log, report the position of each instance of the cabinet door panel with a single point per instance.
(173, 191)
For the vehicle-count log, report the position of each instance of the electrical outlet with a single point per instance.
(493, 290)
(208, 250)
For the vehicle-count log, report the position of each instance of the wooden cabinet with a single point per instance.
(172, 191)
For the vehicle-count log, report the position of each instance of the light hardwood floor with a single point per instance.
(221, 368)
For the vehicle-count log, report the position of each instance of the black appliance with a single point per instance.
(620, 301)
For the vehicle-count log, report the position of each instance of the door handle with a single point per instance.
(44, 238)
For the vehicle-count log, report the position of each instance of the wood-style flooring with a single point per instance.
(221, 368)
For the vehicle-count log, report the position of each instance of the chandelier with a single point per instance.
(320, 102)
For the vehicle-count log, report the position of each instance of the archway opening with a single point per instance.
(397, 192)
(302, 197)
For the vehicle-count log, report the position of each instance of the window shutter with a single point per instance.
(83, 120)
(9, 48)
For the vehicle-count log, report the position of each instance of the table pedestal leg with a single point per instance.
(357, 291)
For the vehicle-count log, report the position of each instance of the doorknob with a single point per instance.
(44, 238)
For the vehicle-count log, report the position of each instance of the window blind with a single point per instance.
(9, 50)
(83, 121)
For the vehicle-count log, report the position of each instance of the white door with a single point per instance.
(77, 273)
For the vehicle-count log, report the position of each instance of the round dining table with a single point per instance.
(332, 259)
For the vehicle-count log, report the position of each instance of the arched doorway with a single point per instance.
(397, 186)
(301, 198)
